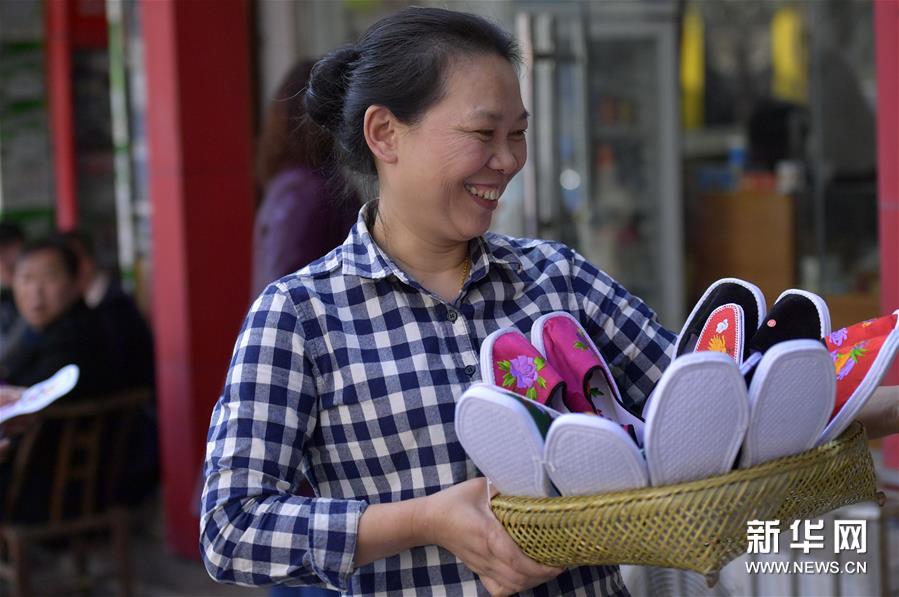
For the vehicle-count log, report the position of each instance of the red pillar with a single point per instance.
(59, 20)
(886, 24)
(200, 154)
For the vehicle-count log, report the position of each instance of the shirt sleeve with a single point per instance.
(627, 332)
(253, 529)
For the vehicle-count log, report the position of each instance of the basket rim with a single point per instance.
(780, 466)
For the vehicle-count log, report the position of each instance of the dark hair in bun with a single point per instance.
(324, 99)
(399, 63)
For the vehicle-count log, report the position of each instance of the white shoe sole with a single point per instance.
(588, 455)
(696, 419)
(503, 440)
(790, 400)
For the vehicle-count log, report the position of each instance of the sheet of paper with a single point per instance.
(42, 394)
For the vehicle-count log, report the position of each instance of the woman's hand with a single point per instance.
(880, 415)
(459, 519)
(8, 395)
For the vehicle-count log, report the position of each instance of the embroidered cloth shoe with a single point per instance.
(863, 330)
(724, 332)
(860, 362)
(795, 315)
(726, 291)
(510, 361)
(588, 455)
(589, 385)
(696, 420)
(790, 400)
(503, 434)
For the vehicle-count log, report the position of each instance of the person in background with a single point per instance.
(60, 330)
(11, 240)
(307, 208)
(127, 333)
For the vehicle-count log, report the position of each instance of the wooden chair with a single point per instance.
(89, 463)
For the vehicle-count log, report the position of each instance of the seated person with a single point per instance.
(60, 330)
(127, 333)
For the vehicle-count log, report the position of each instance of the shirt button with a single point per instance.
(469, 370)
(452, 315)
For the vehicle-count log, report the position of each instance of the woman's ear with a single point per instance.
(380, 128)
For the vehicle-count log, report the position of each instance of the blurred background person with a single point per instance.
(307, 207)
(127, 333)
(11, 241)
(59, 330)
(59, 327)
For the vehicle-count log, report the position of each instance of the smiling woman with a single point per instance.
(347, 372)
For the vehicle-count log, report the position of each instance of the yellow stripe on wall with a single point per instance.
(788, 56)
(692, 68)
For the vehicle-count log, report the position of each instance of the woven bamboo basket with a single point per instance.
(700, 525)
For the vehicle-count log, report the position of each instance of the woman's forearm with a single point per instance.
(880, 415)
(388, 529)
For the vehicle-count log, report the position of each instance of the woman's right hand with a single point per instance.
(459, 519)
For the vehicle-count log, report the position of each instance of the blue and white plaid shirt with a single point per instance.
(347, 374)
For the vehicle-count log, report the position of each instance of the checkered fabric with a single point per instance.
(347, 374)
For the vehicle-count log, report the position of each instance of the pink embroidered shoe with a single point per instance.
(589, 386)
(510, 361)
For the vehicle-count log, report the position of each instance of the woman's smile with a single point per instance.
(487, 196)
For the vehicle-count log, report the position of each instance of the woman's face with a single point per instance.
(454, 164)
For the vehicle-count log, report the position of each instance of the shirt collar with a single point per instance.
(361, 255)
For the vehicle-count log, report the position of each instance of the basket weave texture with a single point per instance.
(700, 525)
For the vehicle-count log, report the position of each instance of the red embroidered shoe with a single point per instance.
(859, 367)
(724, 332)
(863, 330)
(723, 292)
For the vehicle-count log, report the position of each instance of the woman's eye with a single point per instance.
(518, 134)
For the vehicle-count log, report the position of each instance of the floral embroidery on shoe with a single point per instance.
(584, 343)
(844, 363)
(523, 372)
(838, 337)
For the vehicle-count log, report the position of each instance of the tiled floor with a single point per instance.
(160, 573)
